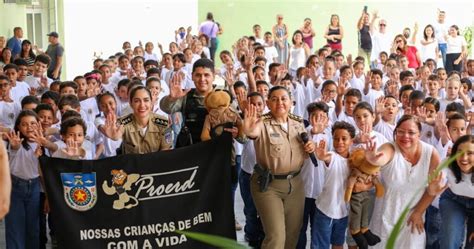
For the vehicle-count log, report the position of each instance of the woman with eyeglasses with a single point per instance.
(456, 51)
(405, 165)
(401, 47)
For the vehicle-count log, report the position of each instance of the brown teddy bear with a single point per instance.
(220, 115)
(364, 175)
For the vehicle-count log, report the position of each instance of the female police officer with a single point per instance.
(280, 154)
(142, 131)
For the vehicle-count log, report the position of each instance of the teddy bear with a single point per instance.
(220, 115)
(363, 174)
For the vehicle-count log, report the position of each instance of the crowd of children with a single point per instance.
(345, 105)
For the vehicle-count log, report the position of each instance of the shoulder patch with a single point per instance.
(295, 117)
(160, 121)
(125, 119)
(267, 116)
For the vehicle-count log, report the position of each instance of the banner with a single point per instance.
(138, 201)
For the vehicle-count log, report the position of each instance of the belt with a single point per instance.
(287, 176)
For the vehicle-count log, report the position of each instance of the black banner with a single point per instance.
(138, 201)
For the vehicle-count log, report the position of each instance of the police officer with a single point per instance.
(276, 185)
(141, 131)
(191, 102)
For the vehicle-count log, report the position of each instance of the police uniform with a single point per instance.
(281, 206)
(157, 136)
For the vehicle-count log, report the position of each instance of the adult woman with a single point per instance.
(429, 44)
(142, 131)
(308, 33)
(456, 204)
(401, 47)
(27, 53)
(456, 50)
(280, 36)
(5, 57)
(298, 53)
(334, 33)
(280, 157)
(405, 164)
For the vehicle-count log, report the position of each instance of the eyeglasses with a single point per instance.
(402, 133)
(398, 41)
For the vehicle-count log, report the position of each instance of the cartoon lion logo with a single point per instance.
(121, 183)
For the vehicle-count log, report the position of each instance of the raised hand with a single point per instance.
(229, 77)
(111, 128)
(319, 123)
(368, 78)
(39, 138)
(14, 139)
(371, 154)
(321, 151)
(380, 105)
(73, 149)
(38, 151)
(176, 89)
(33, 91)
(341, 87)
(437, 185)
(364, 134)
(392, 88)
(251, 121)
(242, 101)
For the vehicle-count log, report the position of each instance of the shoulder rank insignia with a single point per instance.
(267, 116)
(295, 117)
(125, 119)
(160, 121)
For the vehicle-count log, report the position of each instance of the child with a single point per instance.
(329, 93)
(107, 104)
(344, 109)
(122, 71)
(19, 89)
(154, 85)
(105, 77)
(313, 88)
(29, 103)
(178, 68)
(449, 131)
(73, 145)
(364, 118)
(52, 99)
(404, 99)
(331, 210)
(386, 112)
(81, 87)
(9, 109)
(122, 100)
(374, 81)
(149, 55)
(434, 87)
(313, 177)
(22, 222)
(454, 93)
(416, 100)
(431, 108)
(358, 79)
(38, 80)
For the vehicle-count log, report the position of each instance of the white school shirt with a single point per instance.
(313, 177)
(23, 163)
(312, 92)
(109, 87)
(35, 81)
(90, 109)
(443, 150)
(357, 84)
(464, 188)
(342, 117)
(444, 102)
(249, 158)
(379, 140)
(8, 113)
(19, 91)
(300, 101)
(270, 53)
(187, 82)
(122, 107)
(385, 129)
(427, 134)
(110, 146)
(151, 56)
(331, 200)
(86, 145)
(372, 96)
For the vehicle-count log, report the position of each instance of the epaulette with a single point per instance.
(126, 119)
(267, 116)
(295, 117)
(160, 121)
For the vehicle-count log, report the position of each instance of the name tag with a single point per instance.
(274, 135)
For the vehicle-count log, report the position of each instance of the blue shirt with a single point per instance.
(15, 45)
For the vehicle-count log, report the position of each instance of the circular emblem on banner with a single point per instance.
(80, 196)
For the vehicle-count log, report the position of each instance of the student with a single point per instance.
(9, 109)
(19, 89)
(29, 103)
(38, 80)
(358, 79)
(178, 68)
(364, 118)
(52, 99)
(313, 177)
(154, 85)
(431, 108)
(372, 87)
(345, 104)
(449, 131)
(73, 144)
(107, 105)
(149, 55)
(313, 88)
(454, 93)
(106, 74)
(386, 110)
(123, 106)
(456, 202)
(331, 217)
(434, 87)
(22, 222)
(404, 99)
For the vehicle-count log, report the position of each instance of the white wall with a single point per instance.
(103, 25)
